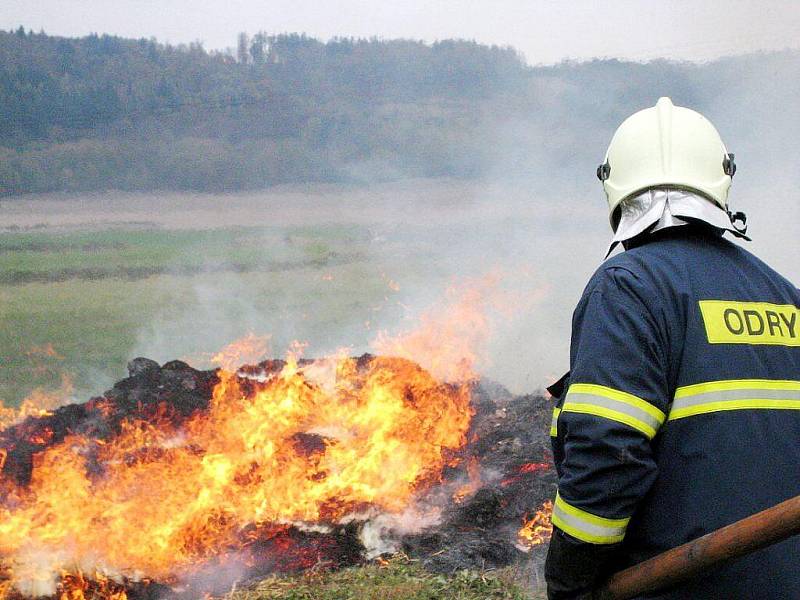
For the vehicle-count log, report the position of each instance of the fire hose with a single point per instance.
(758, 531)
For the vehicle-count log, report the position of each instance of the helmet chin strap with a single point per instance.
(738, 216)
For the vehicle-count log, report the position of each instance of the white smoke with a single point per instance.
(381, 533)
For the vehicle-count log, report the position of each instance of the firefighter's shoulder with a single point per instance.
(628, 268)
(661, 259)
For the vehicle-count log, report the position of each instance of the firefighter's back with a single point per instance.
(730, 446)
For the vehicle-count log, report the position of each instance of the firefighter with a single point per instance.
(681, 410)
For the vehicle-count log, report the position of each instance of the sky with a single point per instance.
(545, 31)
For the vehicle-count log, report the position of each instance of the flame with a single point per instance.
(44, 351)
(39, 403)
(248, 350)
(526, 469)
(538, 529)
(390, 283)
(76, 586)
(474, 482)
(315, 443)
(43, 360)
(451, 337)
(312, 443)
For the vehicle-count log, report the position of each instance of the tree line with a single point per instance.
(103, 112)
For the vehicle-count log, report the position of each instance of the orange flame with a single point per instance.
(316, 442)
(474, 482)
(43, 351)
(248, 350)
(526, 469)
(538, 529)
(451, 337)
(38, 403)
(311, 443)
(75, 587)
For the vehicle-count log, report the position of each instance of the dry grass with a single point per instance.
(399, 579)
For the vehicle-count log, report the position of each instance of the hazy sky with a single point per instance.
(544, 30)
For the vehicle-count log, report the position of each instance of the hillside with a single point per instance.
(103, 112)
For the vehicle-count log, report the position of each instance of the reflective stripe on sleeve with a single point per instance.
(586, 526)
(601, 401)
(554, 422)
(735, 394)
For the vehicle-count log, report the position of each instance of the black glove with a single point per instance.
(574, 568)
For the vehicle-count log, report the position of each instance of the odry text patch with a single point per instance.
(751, 322)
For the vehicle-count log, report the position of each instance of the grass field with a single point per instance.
(106, 277)
(80, 303)
(26, 257)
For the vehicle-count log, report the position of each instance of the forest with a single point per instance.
(103, 112)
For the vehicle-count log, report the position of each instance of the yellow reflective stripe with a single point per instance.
(616, 405)
(737, 384)
(601, 390)
(554, 422)
(735, 394)
(585, 526)
(709, 407)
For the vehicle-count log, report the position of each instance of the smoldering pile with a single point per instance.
(487, 490)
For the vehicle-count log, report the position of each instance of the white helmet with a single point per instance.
(666, 146)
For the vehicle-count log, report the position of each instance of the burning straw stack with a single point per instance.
(381, 459)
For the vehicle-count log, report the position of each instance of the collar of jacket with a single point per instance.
(663, 208)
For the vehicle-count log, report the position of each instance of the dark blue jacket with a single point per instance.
(682, 409)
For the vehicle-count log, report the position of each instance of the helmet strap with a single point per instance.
(738, 216)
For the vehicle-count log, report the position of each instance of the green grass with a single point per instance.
(39, 256)
(322, 284)
(90, 325)
(399, 580)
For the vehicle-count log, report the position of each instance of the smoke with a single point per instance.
(460, 311)
(382, 533)
(217, 578)
(537, 217)
(35, 571)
